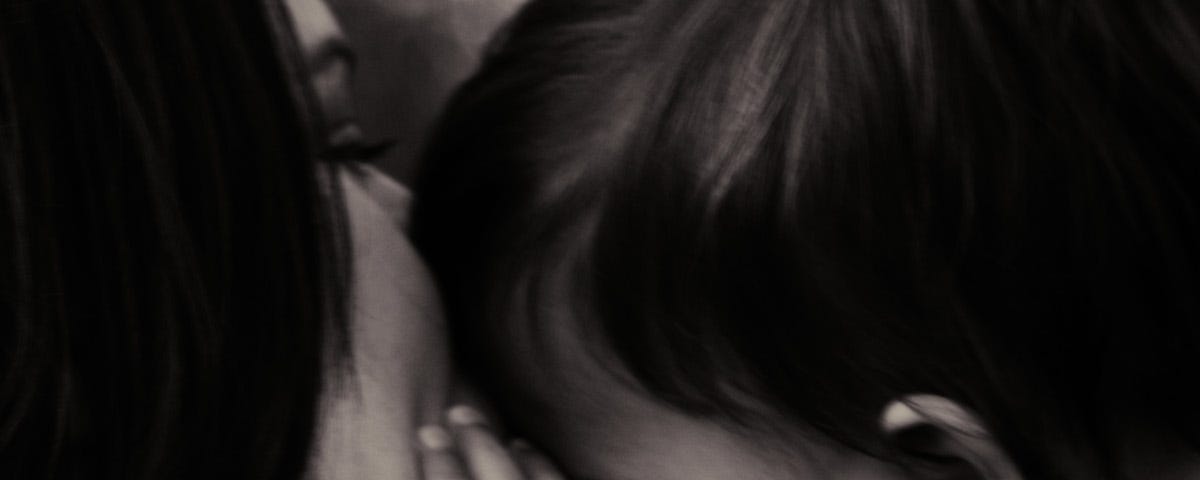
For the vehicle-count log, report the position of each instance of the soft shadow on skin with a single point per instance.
(399, 375)
(412, 54)
(396, 375)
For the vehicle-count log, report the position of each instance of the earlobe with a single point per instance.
(944, 440)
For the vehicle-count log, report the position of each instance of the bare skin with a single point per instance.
(396, 375)
(471, 450)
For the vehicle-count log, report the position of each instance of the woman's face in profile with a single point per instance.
(330, 66)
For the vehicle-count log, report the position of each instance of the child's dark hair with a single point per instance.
(828, 204)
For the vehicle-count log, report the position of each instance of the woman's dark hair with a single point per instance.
(170, 264)
(829, 204)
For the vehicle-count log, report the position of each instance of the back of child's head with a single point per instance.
(827, 204)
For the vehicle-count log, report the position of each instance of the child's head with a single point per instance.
(824, 206)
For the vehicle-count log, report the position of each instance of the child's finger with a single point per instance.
(438, 461)
(485, 457)
(535, 465)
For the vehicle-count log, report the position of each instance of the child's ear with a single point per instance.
(942, 440)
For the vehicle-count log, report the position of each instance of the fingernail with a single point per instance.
(899, 416)
(434, 438)
(464, 416)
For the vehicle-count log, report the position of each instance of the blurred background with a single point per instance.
(412, 53)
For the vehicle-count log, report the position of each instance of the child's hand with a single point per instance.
(469, 450)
